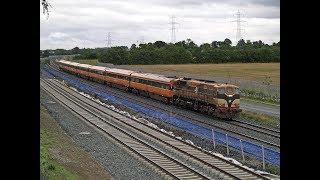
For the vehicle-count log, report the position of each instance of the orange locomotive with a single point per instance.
(220, 100)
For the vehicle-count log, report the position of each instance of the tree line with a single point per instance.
(182, 52)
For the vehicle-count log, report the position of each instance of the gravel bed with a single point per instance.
(176, 111)
(203, 143)
(114, 159)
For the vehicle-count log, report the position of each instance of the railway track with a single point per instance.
(217, 125)
(175, 159)
(266, 130)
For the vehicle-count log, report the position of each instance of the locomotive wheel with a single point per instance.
(167, 100)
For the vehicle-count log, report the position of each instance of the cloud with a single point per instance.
(86, 23)
(58, 35)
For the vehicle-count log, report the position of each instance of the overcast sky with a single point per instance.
(86, 23)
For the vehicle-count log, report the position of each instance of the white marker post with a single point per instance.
(214, 142)
(263, 163)
(241, 146)
(227, 144)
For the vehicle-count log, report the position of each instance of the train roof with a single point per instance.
(155, 77)
(100, 68)
(83, 65)
(73, 63)
(119, 71)
(62, 61)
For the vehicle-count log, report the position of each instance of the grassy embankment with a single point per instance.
(264, 119)
(49, 166)
(60, 157)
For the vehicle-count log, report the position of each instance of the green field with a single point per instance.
(249, 71)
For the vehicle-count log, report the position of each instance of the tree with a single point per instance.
(45, 53)
(241, 43)
(190, 44)
(133, 46)
(159, 44)
(227, 42)
(46, 6)
(114, 55)
(205, 46)
(220, 43)
(75, 50)
(214, 44)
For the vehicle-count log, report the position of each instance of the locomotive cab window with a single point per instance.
(237, 91)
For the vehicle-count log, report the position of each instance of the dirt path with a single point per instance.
(67, 153)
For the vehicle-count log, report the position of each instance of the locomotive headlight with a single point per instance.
(230, 101)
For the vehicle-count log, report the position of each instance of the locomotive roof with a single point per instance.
(155, 77)
(205, 82)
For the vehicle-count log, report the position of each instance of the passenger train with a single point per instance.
(220, 100)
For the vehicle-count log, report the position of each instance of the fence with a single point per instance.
(258, 151)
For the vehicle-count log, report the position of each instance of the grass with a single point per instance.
(268, 102)
(264, 119)
(49, 166)
(43, 63)
(87, 61)
(250, 71)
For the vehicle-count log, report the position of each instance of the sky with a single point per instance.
(86, 23)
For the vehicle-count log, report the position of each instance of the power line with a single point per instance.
(239, 29)
(109, 40)
(173, 29)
